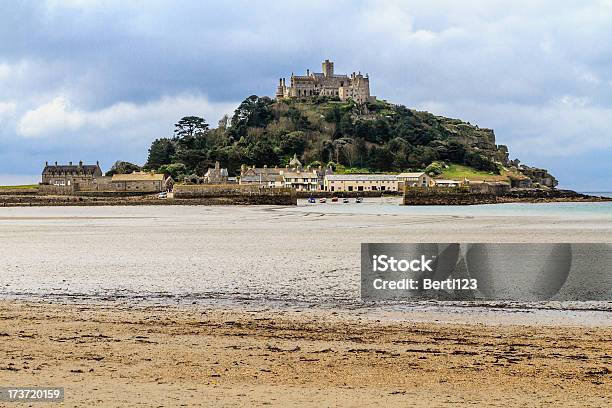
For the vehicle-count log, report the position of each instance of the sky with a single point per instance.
(99, 80)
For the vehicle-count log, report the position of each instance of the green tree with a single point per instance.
(263, 153)
(190, 126)
(160, 153)
(176, 170)
(122, 167)
(252, 112)
(293, 143)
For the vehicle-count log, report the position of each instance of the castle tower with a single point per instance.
(280, 90)
(328, 68)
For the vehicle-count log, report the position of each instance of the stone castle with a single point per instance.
(327, 83)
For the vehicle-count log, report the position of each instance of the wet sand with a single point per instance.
(108, 356)
(269, 253)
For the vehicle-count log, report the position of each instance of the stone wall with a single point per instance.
(235, 194)
(446, 196)
(495, 188)
(49, 189)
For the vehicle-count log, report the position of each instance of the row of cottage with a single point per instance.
(323, 179)
(89, 177)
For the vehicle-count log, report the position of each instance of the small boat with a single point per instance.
(359, 200)
(323, 200)
(345, 200)
(312, 200)
(334, 199)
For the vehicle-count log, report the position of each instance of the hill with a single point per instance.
(373, 137)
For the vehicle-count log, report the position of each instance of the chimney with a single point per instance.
(80, 163)
(46, 163)
(97, 163)
(217, 165)
(70, 163)
(56, 163)
(307, 72)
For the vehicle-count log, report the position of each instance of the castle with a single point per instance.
(326, 83)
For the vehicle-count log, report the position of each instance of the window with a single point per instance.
(350, 188)
(360, 188)
(382, 188)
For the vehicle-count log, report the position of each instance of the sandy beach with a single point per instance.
(108, 356)
(224, 306)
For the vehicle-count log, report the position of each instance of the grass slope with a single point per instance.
(459, 172)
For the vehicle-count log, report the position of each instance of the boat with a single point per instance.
(323, 200)
(312, 200)
(334, 199)
(359, 200)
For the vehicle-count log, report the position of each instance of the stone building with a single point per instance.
(326, 83)
(417, 179)
(301, 180)
(263, 176)
(78, 177)
(294, 175)
(216, 175)
(141, 181)
(361, 182)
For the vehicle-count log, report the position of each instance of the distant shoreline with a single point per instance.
(27, 198)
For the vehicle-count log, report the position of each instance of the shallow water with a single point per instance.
(392, 205)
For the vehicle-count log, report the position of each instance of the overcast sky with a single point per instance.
(99, 80)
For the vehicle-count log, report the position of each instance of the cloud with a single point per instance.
(123, 120)
(7, 108)
(112, 75)
(5, 71)
(562, 128)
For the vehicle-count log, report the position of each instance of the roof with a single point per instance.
(302, 174)
(294, 162)
(138, 176)
(216, 172)
(86, 168)
(261, 170)
(361, 177)
(263, 178)
(410, 175)
(442, 181)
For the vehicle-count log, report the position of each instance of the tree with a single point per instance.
(122, 167)
(263, 153)
(380, 158)
(191, 142)
(293, 143)
(252, 112)
(455, 152)
(176, 170)
(189, 126)
(297, 118)
(160, 153)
